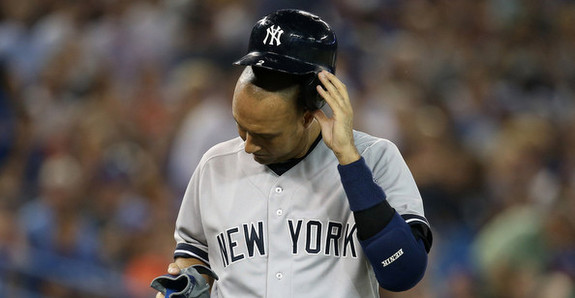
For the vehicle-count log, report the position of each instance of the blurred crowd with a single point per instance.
(106, 107)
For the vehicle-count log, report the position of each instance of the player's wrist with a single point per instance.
(357, 181)
(347, 157)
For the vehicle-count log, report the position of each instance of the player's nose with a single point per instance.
(250, 146)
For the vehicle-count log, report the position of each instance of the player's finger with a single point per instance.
(321, 117)
(341, 89)
(335, 81)
(159, 295)
(173, 269)
(336, 91)
(328, 88)
(330, 99)
(326, 95)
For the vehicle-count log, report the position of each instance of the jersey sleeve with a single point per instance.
(189, 232)
(392, 174)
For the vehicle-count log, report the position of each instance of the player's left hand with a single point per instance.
(337, 131)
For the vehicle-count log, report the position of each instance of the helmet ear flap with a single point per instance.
(312, 99)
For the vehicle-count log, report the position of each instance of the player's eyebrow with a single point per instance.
(264, 135)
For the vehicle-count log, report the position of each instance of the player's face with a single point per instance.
(270, 124)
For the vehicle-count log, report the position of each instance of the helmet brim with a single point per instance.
(282, 63)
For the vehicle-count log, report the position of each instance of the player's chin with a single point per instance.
(263, 159)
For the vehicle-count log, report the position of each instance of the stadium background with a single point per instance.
(106, 107)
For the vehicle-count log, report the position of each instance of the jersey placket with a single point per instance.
(278, 264)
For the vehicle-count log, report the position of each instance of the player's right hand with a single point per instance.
(337, 131)
(173, 269)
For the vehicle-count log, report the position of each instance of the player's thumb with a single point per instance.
(173, 269)
(321, 117)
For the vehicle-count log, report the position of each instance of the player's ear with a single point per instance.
(312, 99)
(307, 118)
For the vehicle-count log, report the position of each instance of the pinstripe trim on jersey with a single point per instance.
(420, 228)
(414, 219)
(185, 250)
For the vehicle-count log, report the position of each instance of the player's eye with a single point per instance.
(242, 133)
(266, 137)
(263, 136)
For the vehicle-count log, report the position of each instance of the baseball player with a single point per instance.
(300, 204)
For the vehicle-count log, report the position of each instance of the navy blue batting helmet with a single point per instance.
(292, 41)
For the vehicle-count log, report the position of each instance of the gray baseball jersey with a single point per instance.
(291, 235)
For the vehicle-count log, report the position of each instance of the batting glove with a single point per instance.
(189, 284)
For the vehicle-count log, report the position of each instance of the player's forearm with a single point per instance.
(398, 258)
(357, 181)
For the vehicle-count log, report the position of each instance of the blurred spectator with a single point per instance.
(205, 117)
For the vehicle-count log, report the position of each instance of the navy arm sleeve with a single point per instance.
(395, 250)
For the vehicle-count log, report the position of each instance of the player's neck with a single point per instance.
(313, 133)
(309, 137)
(316, 131)
(281, 168)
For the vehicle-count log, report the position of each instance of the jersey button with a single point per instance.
(279, 189)
(279, 275)
(279, 212)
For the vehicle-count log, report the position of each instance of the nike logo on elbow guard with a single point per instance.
(392, 259)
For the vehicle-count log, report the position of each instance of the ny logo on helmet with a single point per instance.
(274, 35)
